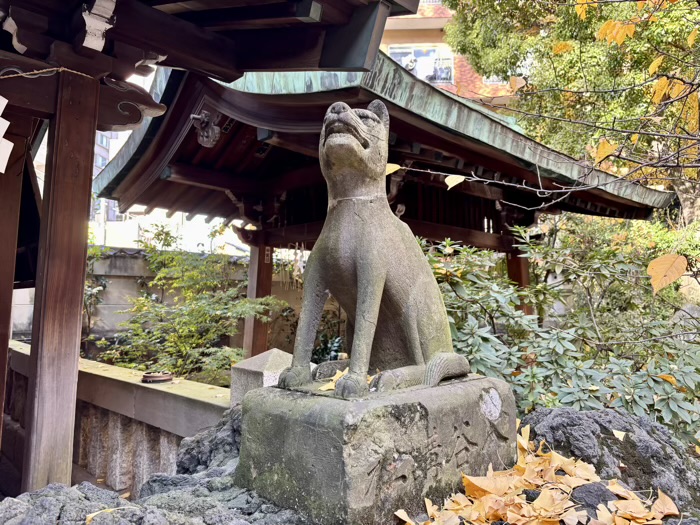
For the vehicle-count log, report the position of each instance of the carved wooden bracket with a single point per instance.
(97, 19)
(123, 106)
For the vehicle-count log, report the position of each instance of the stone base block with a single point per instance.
(356, 462)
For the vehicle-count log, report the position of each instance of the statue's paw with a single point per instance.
(294, 377)
(352, 385)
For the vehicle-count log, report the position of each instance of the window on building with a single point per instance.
(431, 2)
(100, 161)
(432, 63)
(103, 140)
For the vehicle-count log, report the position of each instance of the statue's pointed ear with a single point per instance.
(378, 108)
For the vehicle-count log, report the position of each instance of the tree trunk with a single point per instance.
(688, 192)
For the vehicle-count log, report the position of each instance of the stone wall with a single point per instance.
(125, 430)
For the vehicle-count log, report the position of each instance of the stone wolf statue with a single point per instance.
(371, 263)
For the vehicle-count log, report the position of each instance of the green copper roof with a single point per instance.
(389, 81)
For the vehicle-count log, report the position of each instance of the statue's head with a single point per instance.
(355, 140)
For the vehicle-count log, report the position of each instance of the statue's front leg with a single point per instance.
(315, 296)
(370, 286)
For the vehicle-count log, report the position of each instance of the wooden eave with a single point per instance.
(218, 38)
(264, 168)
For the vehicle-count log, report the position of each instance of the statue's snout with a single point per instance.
(338, 108)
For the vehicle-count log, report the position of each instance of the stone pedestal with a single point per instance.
(356, 462)
(256, 372)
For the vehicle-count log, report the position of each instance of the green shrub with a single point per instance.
(616, 344)
(185, 312)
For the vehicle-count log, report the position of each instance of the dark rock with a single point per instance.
(214, 447)
(104, 497)
(160, 483)
(652, 456)
(591, 495)
(531, 495)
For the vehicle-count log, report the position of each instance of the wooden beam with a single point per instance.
(476, 238)
(61, 270)
(298, 233)
(301, 50)
(186, 45)
(476, 189)
(304, 143)
(10, 198)
(257, 16)
(353, 46)
(31, 96)
(259, 285)
(209, 179)
(181, 6)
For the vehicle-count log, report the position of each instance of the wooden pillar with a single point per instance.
(10, 197)
(519, 273)
(259, 285)
(60, 284)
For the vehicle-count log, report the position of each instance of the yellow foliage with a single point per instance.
(692, 36)
(616, 31)
(559, 48)
(660, 90)
(665, 270)
(691, 112)
(654, 66)
(391, 168)
(331, 384)
(604, 150)
(516, 83)
(582, 7)
(453, 180)
(668, 378)
(676, 88)
(664, 506)
(499, 495)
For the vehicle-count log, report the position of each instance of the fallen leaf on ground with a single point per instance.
(499, 495)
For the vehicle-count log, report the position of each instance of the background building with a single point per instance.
(417, 43)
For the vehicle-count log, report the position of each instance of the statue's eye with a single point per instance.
(366, 119)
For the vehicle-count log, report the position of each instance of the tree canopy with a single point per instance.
(614, 83)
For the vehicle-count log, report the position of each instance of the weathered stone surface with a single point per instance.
(356, 462)
(257, 372)
(652, 456)
(369, 261)
(214, 447)
(591, 495)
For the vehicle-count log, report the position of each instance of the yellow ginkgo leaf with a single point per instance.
(654, 66)
(604, 150)
(697, 449)
(559, 48)
(453, 180)
(665, 270)
(692, 36)
(617, 489)
(635, 138)
(331, 384)
(664, 506)
(619, 434)
(391, 168)
(668, 378)
(402, 515)
(516, 83)
(660, 90)
(581, 8)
